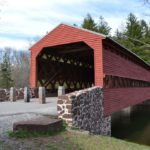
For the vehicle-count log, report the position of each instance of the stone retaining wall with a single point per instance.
(84, 109)
(5, 94)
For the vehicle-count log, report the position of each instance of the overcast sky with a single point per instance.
(22, 21)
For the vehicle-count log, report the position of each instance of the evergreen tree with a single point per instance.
(89, 23)
(103, 26)
(5, 72)
(136, 37)
(133, 27)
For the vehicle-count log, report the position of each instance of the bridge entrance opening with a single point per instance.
(69, 65)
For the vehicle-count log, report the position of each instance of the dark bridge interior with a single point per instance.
(71, 65)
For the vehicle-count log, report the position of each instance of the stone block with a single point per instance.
(61, 112)
(41, 124)
(12, 94)
(26, 95)
(59, 108)
(42, 96)
(69, 106)
(61, 90)
(67, 116)
(59, 101)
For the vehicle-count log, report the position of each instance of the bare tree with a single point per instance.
(20, 65)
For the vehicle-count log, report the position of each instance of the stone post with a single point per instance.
(26, 95)
(42, 95)
(12, 94)
(92, 84)
(61, 90)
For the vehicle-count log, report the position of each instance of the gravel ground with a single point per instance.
(6, 122)
(19, 107)
(11, 112)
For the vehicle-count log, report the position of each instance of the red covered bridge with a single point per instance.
(79, 58)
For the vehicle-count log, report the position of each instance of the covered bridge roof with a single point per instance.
(104, 37)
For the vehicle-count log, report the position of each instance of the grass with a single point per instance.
(1, 142)
(76, 141)
(70, 140)
(64, 142)
(26, 134)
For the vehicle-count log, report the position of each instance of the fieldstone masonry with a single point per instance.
(5, 94)
(84, 109)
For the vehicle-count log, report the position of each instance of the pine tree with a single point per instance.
(5, 72)
(136, 37)
(103, 26)
(89, 23)
(133, 27)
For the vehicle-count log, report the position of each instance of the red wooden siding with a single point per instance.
(65, 34)
(118, 66)
(119, 98)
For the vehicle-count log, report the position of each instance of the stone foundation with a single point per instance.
(84, 109)
(5, 94)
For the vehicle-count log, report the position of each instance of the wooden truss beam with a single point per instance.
(54, 70)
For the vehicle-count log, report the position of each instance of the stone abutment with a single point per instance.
(84, 109)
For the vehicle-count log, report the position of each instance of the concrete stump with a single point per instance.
(39, 125)
(12, 94)
(26, 95)
(61, 90)
(42, 95)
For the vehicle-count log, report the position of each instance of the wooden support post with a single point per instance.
(26, 95)
(61, 90)
(42, 95)
(12, 94)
